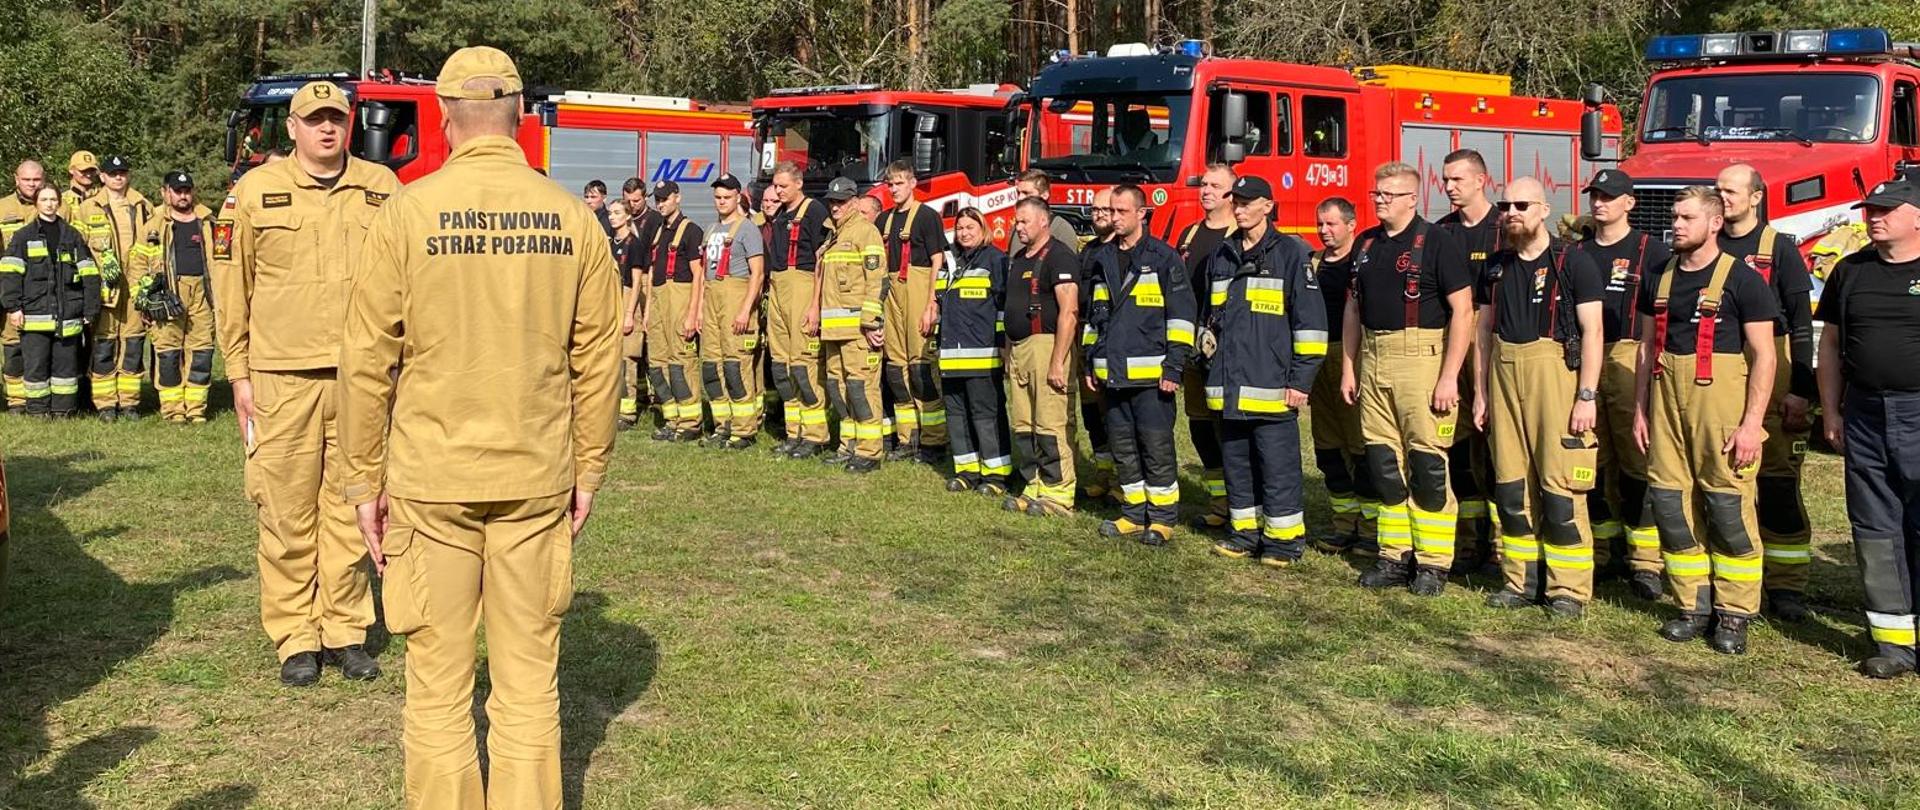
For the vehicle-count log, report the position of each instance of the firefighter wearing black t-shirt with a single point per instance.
(1623, 533)
(672, 316)
(916, 252)
(1041, 316)
(1270, 335)
(1408, 327)
(1783, 514)
(797, 230)
(1143, 322)
(1539, 351)
(1701, 404)
(1477, 228)
(1197, 244)
(1870, 398)
(630, 258)
(1339, 449)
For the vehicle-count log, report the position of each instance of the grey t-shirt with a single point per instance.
(746, 244)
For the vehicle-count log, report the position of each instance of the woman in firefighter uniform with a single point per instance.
(169, 277)
(672, 317)
(1270, 328)
(630, 258)
(50, 289)
(1141, 318)
(1702, 404)
(1540, 354)
(849, 286)
(972, 372)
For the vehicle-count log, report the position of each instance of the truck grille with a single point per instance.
(1653, 206)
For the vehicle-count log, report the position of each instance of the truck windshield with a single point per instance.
(258, 130)
(850, 143)
(1805, 107)
(1109, 137)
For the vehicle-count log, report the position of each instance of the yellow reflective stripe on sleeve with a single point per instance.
(12, 264)
(1180, 331)
(1310, 342)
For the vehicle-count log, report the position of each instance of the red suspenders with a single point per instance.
(726, 252)
(1033, 286)
(1709, 308)
(793, 234)
(905, 239)
(1412, 275)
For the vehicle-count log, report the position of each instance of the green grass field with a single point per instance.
(757, 634)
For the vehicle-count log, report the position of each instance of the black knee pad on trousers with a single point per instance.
(710, 380)
(1633, 500)
(1510, 498)
(736, 384)
(134, 359)
(1361, 477)
(857, 401)
(1385, 470)
(200, 367)
(834, 398)
(1157, 457)
(1598, 509)
(922, 382)
(678, 384)
(167, 368)
(12, 363)
(895, 379)
(103, 359)
(1460, 471)
(1670, 516)
(1333, 468)
(1046, 451)
(657, 383)
(1427, 480)
(782, 382)
(1557, 510)
(1884, 578)
(1726, 512)
(1779, 504)
(803, 385)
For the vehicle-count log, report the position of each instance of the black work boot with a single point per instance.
(1334, 543)
(1646, 586)
(838, 458)
(664, 434)
(1892, 662)
(1506, 599)
(1565, 607)
(1156, 536)
(1237, 547)
(803, 450)
(905, 451)
(354, 662)
(1730, 635)
(1467, 563)
(932, 456)
(862, 466)
(1120, 527)
(1428, 582)
(958, 484)
(1685, 628)
(1787, 606)
(991, 489)
(737, 443)
(108, 415)
(1385, 574)
(300, 669)
(785, 446)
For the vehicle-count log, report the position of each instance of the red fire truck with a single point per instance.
(1157, 118)
(956, 140)
(572, 136)
(1822, 114)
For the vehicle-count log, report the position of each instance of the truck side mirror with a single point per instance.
(377, 120)
(1591, 147)
(927, 143)
(1233, 127)
(235, 120)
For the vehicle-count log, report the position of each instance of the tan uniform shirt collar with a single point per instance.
(489, 148)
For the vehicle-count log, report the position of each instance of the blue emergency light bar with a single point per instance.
(1770, 44)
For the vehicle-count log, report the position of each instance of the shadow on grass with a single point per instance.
(605, 665)
(69, 622)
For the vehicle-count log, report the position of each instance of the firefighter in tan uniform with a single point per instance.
(168, 279)
(16, 210)
(469, 497)
(284, 246)
(115, 217)
(1408, 324)
(850, 287)
(1339, 449)
(796, 233)
(1705, 380)
(730, 307)
(670, 316)
(1540, 346)
(83, 177)
(916, 254)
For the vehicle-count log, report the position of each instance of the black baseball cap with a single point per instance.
(1892, 194)
(727, 181)
(1611, 182)
(665, 188)
(1251, 187)
(842, 189)
(179, 180)
(116, 164)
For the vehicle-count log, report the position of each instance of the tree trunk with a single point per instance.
(1073, 25)
(916, 57)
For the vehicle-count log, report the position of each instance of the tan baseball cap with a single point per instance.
(477, 62)
(82, 161)
(313, 97)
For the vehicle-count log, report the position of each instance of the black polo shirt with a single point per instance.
(1030, 288)
(1380, 281)
(1876, 306)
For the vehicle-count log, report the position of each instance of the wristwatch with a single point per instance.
(1586, 395)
